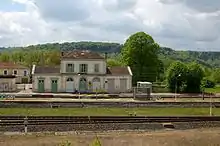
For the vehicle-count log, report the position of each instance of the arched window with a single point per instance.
(69, 80)
(83, 79)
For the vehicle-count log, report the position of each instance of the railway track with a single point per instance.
(56, 120)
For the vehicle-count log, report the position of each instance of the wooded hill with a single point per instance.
(167, 55)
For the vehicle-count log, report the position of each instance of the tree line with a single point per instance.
(140, 52)
(148, 60)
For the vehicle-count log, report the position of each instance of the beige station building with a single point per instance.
(82, 71)
(12, 74)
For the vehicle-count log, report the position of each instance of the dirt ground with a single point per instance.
(200, 137)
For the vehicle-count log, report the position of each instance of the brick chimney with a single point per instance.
(62, 53)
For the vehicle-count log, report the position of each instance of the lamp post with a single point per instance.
(176, 86)
(79, 85)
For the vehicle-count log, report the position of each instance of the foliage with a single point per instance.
(49, 54)
(176, 76)
(215, 89)
(187, 78)
(140, 53)
(206, 83)
(194, 78)
(96, 142)
(215, 75)
(167, 55)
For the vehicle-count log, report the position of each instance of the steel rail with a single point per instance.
(53, 120)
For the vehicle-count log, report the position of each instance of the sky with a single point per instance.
(178, 24)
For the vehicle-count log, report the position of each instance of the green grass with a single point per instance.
(106, 111)
(216, 89)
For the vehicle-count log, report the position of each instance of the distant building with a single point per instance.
(82, 71)
(21, 72)
(10, 74)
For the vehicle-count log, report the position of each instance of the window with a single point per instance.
(54, 81)
(25, 73)
(41, 81)
(96, 68)
(5, 72)
(69, 67)
(83, 68)
(15, 72)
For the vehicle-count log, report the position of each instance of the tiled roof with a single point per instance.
(47, 69)
(118, 70)
(110, 70)
(10, 65)
(79, 54)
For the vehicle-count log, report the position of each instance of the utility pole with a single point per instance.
(210, 104)
(176, 86)
(42, 59)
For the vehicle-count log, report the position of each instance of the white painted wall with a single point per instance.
(117, 82)
(77, 79)
(47, 82)
(62, 81)
(91, 64)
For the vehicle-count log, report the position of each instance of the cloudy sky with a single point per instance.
(180, 24)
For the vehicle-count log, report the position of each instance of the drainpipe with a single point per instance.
(106, 55)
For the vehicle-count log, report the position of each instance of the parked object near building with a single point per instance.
(7, 83)
(143, 89)
(20, 72)
(81, 71)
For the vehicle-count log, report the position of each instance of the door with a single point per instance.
(40, 85)
(6, 87)
(82, 85)
(54, 86)
(111, 85)
(123, 85)
(96, 84)
(70, 85)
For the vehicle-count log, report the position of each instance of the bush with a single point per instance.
(206, 83)
(159, 89)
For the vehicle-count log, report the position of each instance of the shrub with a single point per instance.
(206, 83)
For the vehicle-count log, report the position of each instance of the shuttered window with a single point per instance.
(69, 68)
(83, 68)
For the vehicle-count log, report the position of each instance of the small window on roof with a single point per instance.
(5, 72)
(25, 73)
(15, 72)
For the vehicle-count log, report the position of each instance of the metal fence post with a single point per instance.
(134, 92)
(25, 125)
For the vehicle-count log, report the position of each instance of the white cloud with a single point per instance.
(179, 24)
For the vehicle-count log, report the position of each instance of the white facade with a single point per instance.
(91, 63)
(83, 75)
(101, 86)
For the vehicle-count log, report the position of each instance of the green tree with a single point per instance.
(113, 62)
(194, 78)
(187, 78)
(176, 76)
(215, 76)
(140, 53)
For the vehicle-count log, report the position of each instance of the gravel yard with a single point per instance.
(199, 137)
